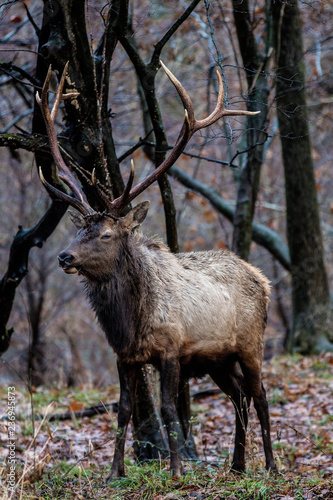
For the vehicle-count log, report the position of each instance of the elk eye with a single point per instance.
(106, 236)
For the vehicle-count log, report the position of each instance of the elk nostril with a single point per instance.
(65, 259)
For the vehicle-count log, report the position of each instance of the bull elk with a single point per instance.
(188, 314)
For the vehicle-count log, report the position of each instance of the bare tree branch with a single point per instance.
(154, 61)
(10, 69)
(262, 235)
(17, 119)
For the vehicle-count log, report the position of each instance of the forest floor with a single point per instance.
(69, 459)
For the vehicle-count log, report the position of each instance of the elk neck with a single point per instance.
(124, 299)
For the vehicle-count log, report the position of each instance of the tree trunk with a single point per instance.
(150, 438)
(256, 126)
(311, 328)
(35, 302)
(91, 145)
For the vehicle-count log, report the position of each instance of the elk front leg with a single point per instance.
(127, 379)
(169, 389)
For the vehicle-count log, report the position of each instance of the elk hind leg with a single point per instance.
(229, 382)
(254, 381)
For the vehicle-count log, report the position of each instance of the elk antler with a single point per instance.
(79, 201)
(190, 126)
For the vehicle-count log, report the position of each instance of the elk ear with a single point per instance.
(136, 216)
(76, 218)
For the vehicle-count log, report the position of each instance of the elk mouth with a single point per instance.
(69, 269)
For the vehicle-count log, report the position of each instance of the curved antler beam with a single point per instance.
(190, 126)
(79, 199)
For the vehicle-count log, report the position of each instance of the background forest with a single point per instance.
(261, 186)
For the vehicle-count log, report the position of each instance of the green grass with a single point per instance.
(153, 481)
(277, 397)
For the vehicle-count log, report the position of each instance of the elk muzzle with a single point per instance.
(65, 260)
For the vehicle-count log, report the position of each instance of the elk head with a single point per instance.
(104, 227)
(99, 242)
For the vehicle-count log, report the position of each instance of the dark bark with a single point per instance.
(256, 100)
(35, 303)
(60, 37)
(150, 442)
(187, 448)
(146, 74)
(311, 329)
(102, 58)
(24, 240)
(28, 142)
(91, 145)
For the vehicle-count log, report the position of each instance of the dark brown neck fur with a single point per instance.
(119, 302)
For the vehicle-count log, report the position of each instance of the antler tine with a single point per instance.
(59, 93)
(60, 96)
(63, 171)
(220, 109)
(43, 100)
(79, 205)
(120, 203)
(185, 98)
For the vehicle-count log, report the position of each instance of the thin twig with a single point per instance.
(17, 119)
(154, 61)
(7, 67)
(253, 146)
(32, 21)
(298, 433)
(141, 142)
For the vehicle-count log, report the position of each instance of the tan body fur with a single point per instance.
(214, 293)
